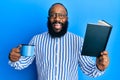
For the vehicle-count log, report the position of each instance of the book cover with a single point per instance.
(96, 38)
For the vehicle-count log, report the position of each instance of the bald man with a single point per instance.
(58, 52)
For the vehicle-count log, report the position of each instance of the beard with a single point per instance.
(57, 34)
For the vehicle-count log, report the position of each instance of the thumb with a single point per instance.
(19, 46)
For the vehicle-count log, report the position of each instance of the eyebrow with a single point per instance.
(59, 12)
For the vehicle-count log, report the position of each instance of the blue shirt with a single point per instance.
(58, 58)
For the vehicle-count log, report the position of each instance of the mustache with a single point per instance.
(56, 22)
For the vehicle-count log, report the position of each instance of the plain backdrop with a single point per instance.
(20, 20)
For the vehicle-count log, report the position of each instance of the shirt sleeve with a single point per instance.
(24, 61)
(87, 64)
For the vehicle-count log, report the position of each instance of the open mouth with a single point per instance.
(57, 27)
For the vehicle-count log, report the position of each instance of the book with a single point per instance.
(96, 38)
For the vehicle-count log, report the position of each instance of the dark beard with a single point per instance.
(57, 34)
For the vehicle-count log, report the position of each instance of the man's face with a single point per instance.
(57, 21)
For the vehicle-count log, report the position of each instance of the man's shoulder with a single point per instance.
(76, 37)
(73, 34)
(41, 35)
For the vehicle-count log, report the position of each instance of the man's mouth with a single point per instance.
(57, 26)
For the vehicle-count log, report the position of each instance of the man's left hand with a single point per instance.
(102, 61)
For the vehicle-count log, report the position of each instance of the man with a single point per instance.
(58, 52)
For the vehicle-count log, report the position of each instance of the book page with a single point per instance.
(102, 22)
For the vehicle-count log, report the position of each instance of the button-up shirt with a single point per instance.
(58, 58)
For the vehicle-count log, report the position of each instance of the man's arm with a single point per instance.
(20, 62)
(87, 65)
(17, 61)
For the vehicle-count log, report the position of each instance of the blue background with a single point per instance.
(20, 20)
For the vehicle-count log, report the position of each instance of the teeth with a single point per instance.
(57, 25)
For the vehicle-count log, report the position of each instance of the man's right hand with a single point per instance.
(14, 54)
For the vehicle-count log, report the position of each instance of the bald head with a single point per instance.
(58, 6)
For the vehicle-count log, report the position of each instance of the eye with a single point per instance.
(52, 15)
(60, 15)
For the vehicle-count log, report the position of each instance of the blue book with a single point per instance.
(96, 38)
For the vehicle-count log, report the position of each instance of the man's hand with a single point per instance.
(102, 61)
(15, 54)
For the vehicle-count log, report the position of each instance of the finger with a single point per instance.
(15, 54)
(13, 59)
(19, 46)
(16, 50)
(104, 63)
(103, 58)
(104, 53)
(100, 58)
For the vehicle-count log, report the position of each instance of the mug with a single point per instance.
(27, 50)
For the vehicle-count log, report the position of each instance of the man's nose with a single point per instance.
(57, 18)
